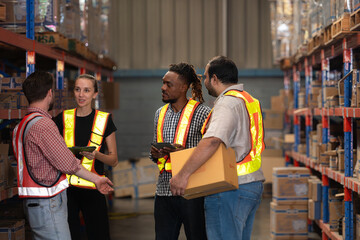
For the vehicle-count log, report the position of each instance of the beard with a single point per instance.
(169, 100)
(51, 105)
(210, 89)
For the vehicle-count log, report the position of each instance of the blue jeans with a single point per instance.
(230, 215)
(48, 217)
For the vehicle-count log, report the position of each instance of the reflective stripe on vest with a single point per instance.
(252, 162)
(182, 130)
(27, 185)
(96, 138)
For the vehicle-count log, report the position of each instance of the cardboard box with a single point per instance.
(267, 165)
(12, 83)
(288, 221)
(273, 119)
(218, 174)
(136, 178)
(123, 179)
(147, 173)
(290, 185)
(335, 209)
(316, 191)
(12, 229)
(314, 210)
(277, 103)
(2, 12)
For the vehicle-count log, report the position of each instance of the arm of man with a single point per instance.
(205, 149)
(102, 183)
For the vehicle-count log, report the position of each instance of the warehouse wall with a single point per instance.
(141, 97)
(151, 34)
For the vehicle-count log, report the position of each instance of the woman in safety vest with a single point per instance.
(85, 126)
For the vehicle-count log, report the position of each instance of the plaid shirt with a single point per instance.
(170, 123)
(46, 151)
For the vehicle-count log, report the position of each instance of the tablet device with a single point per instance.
(161, 145)
(76, 150)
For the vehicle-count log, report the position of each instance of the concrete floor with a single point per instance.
(133, 219)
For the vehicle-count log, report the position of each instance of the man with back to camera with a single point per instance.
(178, 122)
(43, 160)
(235, 121)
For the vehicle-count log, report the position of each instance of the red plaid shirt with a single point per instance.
(46, 151)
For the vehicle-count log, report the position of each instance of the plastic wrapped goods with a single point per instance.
(48, 14)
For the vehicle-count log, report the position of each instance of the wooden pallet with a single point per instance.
(285, 63)
(2, 12)
(301, 52)
(52, 39)
(316, 42)
(328, 35)
(77, 47)
(341, 27)
(355, 20)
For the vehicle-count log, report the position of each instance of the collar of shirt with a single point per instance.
(239, 87)
(39, 110)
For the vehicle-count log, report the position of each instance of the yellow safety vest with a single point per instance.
(96, 138)
(181, 133)
(252, 162)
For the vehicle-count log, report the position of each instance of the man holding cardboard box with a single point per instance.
(236, 121)
(177, 125)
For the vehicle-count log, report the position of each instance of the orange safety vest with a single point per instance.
(252, 161)
(181, 133)
(96, 139)
(28, 187)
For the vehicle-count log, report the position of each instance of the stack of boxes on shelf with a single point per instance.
(336, 209)
(315, 198)
(275, 140)
(289, 208)
(299, 27)
(331, 155)
(136, 178)
(12, 219)
(65, 24)
(11, 96)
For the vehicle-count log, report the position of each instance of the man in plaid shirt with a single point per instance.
(172, 211)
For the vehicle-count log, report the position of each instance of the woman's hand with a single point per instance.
(89, 155)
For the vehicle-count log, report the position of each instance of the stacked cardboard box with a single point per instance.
(136, 178)
(336, 209)
(289, 208)
(315, 197)
(12, 229)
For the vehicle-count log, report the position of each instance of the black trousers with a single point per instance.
(171, 212)
(93, 206)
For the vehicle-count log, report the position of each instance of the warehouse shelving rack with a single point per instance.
(323, 56)
(62, 59)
